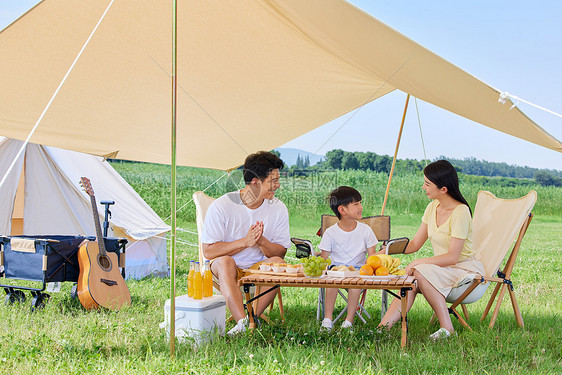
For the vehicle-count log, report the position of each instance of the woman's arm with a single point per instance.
(414, 245)
(444, 260)
(419, 239)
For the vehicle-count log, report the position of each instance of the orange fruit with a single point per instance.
(374, 261)
(366, 270)
(381, 271)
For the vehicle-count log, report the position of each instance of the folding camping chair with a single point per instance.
(496, 225)
(380, 225)
(202, 202)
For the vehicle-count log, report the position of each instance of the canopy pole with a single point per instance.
(395, 154)
(173, 184)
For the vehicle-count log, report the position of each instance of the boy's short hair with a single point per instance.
(260, 165)
(343, 196)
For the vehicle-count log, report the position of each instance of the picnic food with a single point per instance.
(314, 266)
(382, 265)
(366, 270)
(374, 261)
(292, 268)
(265, 267)
(343, 267)
(381, 271)
(278, 267)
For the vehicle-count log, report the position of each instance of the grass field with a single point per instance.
(63, 338)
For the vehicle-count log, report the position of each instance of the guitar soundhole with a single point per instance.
(104, 262)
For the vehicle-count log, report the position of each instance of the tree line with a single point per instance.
(346, 160)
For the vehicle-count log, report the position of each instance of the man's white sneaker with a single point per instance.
(346, 324)
(240, 327)
(441, 333)
(327, 325)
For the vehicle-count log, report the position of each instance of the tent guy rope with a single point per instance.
(179, 209)
(421, 133)
(54, 96)
(504, 96)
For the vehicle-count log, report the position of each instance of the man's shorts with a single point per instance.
(239, 272)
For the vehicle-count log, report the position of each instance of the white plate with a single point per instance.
(342, 273)
(389, 277)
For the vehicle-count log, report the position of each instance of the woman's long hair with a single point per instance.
(442, 173)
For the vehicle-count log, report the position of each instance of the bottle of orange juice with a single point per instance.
(197, 282)
(190, 278)
(207, 280)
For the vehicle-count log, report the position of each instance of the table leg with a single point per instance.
(404, 313)
(320, 307)
(252, 323)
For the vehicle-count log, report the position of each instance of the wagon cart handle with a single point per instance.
(107, 216)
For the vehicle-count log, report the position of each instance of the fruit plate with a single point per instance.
(342, 273)
(381, 278)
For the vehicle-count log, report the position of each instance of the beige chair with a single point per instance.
(497, 224)
(202, 202)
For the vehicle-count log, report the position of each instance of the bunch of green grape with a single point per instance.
(314, 266)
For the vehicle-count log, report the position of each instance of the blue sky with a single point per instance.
(511, 45)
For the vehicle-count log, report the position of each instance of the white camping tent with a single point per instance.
(47, 199)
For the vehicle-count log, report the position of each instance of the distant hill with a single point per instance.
(289, 156)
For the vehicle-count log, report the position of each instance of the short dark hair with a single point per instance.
(443, 173)
(343, 196)
(260, 165)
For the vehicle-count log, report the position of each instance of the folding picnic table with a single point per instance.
(400, 284)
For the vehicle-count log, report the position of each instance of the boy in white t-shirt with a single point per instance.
(346, 242)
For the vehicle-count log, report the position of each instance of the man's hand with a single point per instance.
(254, 234)
(262, 239)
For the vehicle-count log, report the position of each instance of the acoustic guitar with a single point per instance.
(99, 283)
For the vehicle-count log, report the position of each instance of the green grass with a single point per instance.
(63, 338)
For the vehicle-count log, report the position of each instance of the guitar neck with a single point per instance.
(101, 242)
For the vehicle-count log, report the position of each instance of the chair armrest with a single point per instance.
(397, 245)
(304, 247)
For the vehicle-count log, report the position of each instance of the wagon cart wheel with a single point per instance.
(14, 296)
(39, 301)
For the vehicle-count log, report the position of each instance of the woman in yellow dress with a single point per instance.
(447, 223)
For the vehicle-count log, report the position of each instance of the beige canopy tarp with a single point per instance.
(252, 74)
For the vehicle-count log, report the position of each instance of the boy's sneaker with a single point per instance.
(327, 325)
(441, 333)
(240, 327)
(347, 325)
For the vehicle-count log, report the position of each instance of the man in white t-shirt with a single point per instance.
(347, 242)
(244, 228)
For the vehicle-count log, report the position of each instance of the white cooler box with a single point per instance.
(197, 318)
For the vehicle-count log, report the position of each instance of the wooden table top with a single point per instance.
(327, 282)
